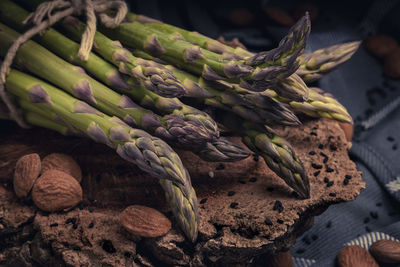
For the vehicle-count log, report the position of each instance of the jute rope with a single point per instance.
(47, 14)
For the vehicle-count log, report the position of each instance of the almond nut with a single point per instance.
(279, 16)
(62, 162)
(144, 221)
(281, 259)
(56, 190)
(348, 129)
(355, 256)
(391, 66)
(380, 45)
(26, 172)
(386, 251)
(241, 17)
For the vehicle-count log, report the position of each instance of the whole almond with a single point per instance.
(144, 221)
(391, 66)
(26, 172)
(386, 251)
(281, 259)
(348, 129)
(355, 256)
(280, 16)
(241, 17)
(380, 45)
(62, 162)
(56, 190)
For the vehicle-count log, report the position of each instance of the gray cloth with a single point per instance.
(361, 87)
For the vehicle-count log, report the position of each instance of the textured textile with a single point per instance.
(375, 214)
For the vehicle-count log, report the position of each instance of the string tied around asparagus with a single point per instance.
(49, 13)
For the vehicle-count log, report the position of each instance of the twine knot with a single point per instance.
(47, 14)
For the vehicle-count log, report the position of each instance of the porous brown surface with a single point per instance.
(227, 235)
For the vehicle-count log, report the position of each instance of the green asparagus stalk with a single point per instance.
(286, 54)
(181, 130)
(318, 105)
(312, 65)
(158, 80)
(316, 64)
(250, 105)
(221, 149)
(185, 127)
(275, 150)
(231, 97)
(36, 116)
(149, 153)
(193, 58)
(43, 119)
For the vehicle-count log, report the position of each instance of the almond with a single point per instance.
(26, 172)
(280, 16)
(144, 221)
(62, 162)
(348, 129)
(386, 251)
(380, 45)
(281, 259)
(355, 256)
(241, 17)
(56, 190)
(391, 66)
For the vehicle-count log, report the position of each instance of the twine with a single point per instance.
(47, 14)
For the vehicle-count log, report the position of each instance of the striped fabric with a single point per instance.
(366, 240)
(394, 186)
(302, 262)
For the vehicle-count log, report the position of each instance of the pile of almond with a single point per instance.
(382, 251)
(387, 49)
(53, 183)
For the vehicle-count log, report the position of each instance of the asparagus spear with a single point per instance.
(186, 127)
(176, 51)
(275, 150)
(155, 79)
(181, 130)
(222, 149)
(228, 96)
(322, 61)
(285, 54)
(249, 105)
(318, 105)
(312, 65)
(186, 131)
(159, 104)
(39, 117)
(149, 153)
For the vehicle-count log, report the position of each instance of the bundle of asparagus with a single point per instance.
(130, 101)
